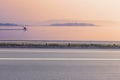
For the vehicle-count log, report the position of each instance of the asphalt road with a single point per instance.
(59, 64)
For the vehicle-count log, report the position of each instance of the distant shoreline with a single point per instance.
(58, 45)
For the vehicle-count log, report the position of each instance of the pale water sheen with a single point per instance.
(59, 70)
(96, 33)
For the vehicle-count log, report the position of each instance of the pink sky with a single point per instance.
(102, 12)
(33, 11)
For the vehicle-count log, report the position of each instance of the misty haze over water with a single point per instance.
(73, 33)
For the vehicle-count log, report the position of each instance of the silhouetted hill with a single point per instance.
(8, 24)
(72, 24)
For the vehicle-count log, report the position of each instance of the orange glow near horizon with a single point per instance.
(77, 33)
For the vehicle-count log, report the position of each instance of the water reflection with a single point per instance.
(11, 29)
(60, 33)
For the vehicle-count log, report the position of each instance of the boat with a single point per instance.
(24, 28)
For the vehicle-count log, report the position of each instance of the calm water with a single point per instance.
(60, 33)
(59, 70)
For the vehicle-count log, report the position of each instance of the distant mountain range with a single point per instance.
(55, 23)
(72, 24)
(8, 24)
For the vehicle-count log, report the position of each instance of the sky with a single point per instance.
(35, 11)
(104, 13)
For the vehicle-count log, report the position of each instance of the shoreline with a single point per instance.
(58, 45)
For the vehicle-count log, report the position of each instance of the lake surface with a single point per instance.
(88, 69)
(96, 33)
